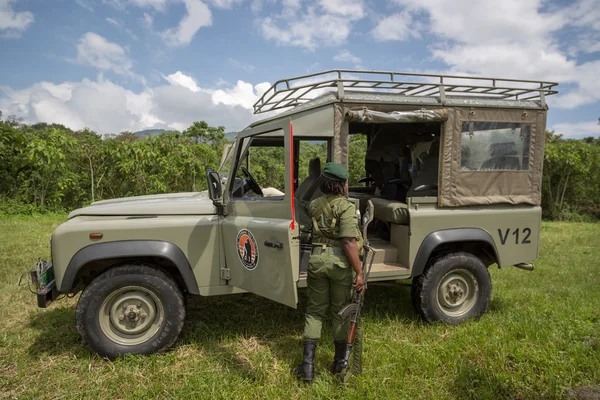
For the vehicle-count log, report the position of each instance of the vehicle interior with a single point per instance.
(400, 161)
(389, 163)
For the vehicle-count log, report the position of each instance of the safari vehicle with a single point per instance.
(452, 164)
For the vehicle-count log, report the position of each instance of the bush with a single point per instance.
(50, 168)
(10, 207)
(570, 186)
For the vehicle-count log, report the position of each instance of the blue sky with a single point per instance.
(115, 65)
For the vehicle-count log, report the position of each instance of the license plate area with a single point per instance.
(41, 282)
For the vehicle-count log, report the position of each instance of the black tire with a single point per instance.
(109, 291)
(455, 287)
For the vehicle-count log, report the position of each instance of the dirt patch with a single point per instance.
(583, 393)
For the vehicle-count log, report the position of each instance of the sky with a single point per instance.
(117, 65)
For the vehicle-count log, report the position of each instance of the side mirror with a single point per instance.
(215, 191)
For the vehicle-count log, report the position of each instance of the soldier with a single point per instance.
(335, 253)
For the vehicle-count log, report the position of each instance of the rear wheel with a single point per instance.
(455, 287)
(132, 309)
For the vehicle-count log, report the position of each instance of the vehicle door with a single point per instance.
(261, 237)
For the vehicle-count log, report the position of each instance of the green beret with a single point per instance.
(335, 171)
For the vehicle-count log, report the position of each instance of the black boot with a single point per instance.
(306, 370)
(338, 359)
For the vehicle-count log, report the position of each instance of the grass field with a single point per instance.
(540, 337)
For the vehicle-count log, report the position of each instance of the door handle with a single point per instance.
(275, 245)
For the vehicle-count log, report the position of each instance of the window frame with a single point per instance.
(239, 159)
(528, 147)
(297, 141)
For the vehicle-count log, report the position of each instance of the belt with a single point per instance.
(326, 241)
(332, 251)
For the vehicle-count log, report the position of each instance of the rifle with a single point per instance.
(353, 309)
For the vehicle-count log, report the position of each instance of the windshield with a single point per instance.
(226, 160)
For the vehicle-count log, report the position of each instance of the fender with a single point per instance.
(445, 236)
(130, 249)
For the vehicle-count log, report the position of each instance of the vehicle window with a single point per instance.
(226, 160)
(357, 149)
(263, 158)
(492, 146)
(309, 150)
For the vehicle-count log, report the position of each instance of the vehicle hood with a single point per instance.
(192, 203)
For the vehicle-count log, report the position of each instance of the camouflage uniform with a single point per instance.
(329, 271)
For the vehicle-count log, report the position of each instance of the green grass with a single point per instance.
(540, 337)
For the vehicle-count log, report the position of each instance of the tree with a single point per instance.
(91, 147)
(356, 158)
(47, 154)
(203, 133)
(125, 135)
(566, 164)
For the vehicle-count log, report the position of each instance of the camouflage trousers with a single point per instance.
(329, 285)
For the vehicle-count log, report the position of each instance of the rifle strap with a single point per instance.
(324, 208)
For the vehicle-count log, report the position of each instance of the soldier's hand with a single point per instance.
(359, 284)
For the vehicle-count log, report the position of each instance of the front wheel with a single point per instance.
(131, 309)
(455, 287)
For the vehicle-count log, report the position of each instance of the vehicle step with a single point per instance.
(394, 266)
(385, 253)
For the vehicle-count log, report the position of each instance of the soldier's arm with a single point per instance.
(351, 251)
(348, 224)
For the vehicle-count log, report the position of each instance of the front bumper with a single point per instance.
(42, 283)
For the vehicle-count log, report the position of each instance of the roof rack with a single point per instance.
(291, 92)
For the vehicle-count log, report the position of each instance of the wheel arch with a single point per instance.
(471, 240)
(96, 258)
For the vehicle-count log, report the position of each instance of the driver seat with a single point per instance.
(428, 175)
(307, 188)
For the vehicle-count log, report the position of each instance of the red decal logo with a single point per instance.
(247, 249)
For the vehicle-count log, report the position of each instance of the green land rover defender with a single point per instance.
(452, 165)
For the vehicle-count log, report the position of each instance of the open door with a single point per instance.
(261, 238)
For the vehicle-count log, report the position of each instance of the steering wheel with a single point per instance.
(422, 188)
(399, 182)
(252, 182)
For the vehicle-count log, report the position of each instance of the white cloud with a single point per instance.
(85, 4)
(513, 39)
(224, 3)
(587, 90)
(256, 6)
(238, 64)
(584, 13)
(397, 27)
(99, 104)
(325, 23)
(95, 51)
(589, 43)
(109, 108)
(147, 21)
(578, 129)
(353, 9)
(179, 78)
(242, 94)
(197, 16)
(156, 4)
(488, 21)
(122, 26)
(118, 4)
(121, 5)
(12, 23)
(346, 56)
(114, 22)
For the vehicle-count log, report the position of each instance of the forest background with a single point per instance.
(52, 169)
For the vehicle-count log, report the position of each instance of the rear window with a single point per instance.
(495, 146)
